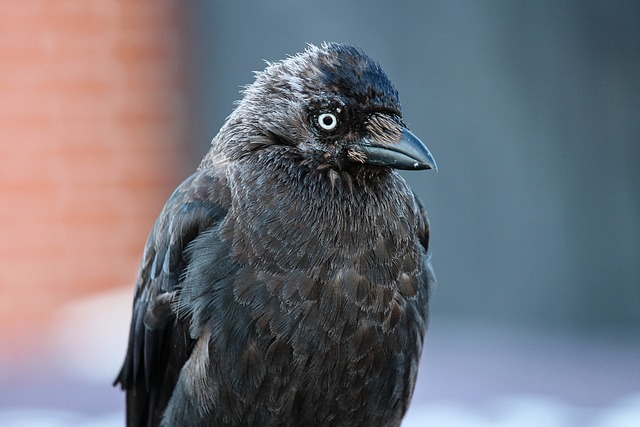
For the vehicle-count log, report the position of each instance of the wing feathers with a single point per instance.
(159, 343)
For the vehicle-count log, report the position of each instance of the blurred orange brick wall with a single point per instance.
(91, 145)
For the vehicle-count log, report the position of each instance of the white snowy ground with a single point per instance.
(471, 376)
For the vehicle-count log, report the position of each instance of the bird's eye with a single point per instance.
(327, 121)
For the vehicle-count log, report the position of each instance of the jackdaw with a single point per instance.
(286, 282)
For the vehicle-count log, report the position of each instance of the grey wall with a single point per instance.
(532, 110)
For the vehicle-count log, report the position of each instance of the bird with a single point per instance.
(286, 282)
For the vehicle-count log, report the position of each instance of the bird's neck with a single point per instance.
(313, 216)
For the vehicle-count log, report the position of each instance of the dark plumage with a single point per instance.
(286, 282)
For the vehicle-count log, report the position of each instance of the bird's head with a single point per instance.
(331, 104)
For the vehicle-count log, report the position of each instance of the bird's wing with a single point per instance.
(159, 342)
(428, 277)
(423, 223)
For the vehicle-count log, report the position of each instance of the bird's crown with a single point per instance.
(331, 71)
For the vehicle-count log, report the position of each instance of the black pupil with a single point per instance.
(327, 120)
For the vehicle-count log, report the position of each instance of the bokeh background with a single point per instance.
(532, 110)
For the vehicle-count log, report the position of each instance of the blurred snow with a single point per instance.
(88, 338)
(47, 418)
(471, 376)
(524, 411)
(518, 411)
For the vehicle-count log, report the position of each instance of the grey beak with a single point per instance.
(409, 153)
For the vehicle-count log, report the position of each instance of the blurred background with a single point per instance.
(532, 110)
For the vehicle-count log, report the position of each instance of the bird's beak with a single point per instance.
(408, 153)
